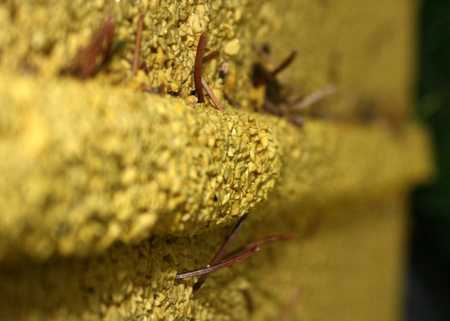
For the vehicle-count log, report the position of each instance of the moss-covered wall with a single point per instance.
(86, 166)
(364, 49)
(108, 191)
(335, 272)
(43, 37)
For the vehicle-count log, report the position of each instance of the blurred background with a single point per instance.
(428, 286)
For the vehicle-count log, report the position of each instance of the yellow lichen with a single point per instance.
(83, 158)
(90, 167)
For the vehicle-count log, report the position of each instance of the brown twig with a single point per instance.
(215, 101)
(285, 63)
(226, 263)
(137, 48)
(221, 252)
(313, 98)
(248, 251)
(198, 67)
(88, 59)
(200, 83)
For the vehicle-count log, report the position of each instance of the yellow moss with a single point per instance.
(83, 158)
(365, 52)
(307, 278)
(89, 167)
(43, 37)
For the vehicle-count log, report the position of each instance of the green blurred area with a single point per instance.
(428, 287)
(432, 203)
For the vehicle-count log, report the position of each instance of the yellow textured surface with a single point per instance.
(36, 38)
(106, 192)
(349, 270)
(86, 166)
(364, 49)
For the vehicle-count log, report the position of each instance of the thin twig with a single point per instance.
(221, 252)
(226, 263)
(137, 48)
(89, 58)
(198, 67)
(248, 251)
(314, 98)
(285, 63)
(215, 101)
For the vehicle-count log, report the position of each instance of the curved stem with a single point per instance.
(242, 255)
(198, 67)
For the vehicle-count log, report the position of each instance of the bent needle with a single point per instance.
(198, 67)
(248, 251)
(221, 252)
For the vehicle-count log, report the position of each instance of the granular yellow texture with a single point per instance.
(43, 37)
(338, 272)
(107, 191)
(85, 166)
(362, 49)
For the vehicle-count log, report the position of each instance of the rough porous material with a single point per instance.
(307, 279)
(113, 182)
(364, 50)
(37, 38)
(86, 167)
